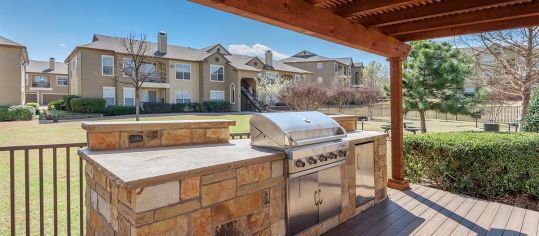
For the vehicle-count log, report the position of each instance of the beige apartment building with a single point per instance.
(190, 74)
(46, 81)
(13, 61)
(326, 71)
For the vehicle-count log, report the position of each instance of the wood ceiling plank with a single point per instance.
(302, 17)
(471, 29)
(484, 16)
(431, 10)
(361, 7)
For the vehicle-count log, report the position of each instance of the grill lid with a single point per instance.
(283, 130)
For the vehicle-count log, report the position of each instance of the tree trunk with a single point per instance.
(137, 104)
(422, 121)
(526, 95)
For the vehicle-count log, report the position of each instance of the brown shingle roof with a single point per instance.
(43, 67)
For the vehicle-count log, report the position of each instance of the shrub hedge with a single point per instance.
(156, 107)
(35, 105)
(215, 106)
(477, 163)
(118, 110)
(17, 112)
(57, 105)
(88, 105)
(530, 122)
(67, 101)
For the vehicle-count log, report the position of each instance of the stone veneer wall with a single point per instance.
(240, 200)
(123, 135)
(348, 122)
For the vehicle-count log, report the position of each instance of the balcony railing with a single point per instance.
(41, 85)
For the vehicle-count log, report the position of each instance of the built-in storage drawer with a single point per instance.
(364, 173)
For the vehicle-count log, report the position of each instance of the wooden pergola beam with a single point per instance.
(302, 17)
(470, 29)
(433, 10)
(471, 18)
(362, 7)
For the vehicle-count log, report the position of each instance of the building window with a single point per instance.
(61, 80)
(297, 77)
(148, 70)
(232, 93)
(336, 68)
(183, 71)
(109, 94)
(129, 96)
(183, 96)
(271, 76)
(319, 65)
(149, 96)
(217, 95)
(128, 67)
(319, 79)
(40, 81)
(217, 73)
(107, 65)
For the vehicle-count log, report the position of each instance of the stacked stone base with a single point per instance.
(237, 201)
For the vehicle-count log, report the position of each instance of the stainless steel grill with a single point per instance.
(315, 152)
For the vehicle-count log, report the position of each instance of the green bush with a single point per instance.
(156, 107)
(215, 106)
(119, 110)
(88, 105)
(17, 112)
(476, 163)
(179, 107)
(530, 122)
(57, 105)
(35, 105)
(67, 101)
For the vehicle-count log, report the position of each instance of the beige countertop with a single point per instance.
(143, 167)
(356, 137)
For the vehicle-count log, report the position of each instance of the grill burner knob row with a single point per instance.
(311, 161)
(323, 158)
(300, 163)
(332, 156)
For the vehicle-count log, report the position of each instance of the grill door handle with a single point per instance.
(320, 197)
(315, 197)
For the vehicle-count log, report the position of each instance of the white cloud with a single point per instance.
(62, 45)
(257, 50)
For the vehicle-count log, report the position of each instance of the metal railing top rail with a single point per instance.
(40, 146)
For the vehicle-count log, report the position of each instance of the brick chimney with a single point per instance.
(52, 61)
(162, 42)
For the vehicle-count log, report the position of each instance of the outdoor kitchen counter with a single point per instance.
(356, 137)
(142, 167)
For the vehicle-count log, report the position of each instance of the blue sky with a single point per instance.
(52, 28)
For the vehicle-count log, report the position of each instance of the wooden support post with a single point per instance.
(397, 129)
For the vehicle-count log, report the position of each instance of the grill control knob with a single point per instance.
(342, 153)
(311, 161)
(300, 163)
(332, 156)
(323, 158)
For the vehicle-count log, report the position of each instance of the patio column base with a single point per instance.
(398, 184)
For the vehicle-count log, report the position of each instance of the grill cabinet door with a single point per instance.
(302, 209)
(329, 181)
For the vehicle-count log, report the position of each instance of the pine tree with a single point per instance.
(433, 79)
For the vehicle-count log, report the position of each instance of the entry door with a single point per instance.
(149, 96)
(329, 181)
(302, 209)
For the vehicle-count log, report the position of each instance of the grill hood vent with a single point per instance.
(284, 130)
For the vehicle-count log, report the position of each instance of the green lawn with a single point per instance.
(31, 132)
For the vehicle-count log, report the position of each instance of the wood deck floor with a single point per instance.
(428, 211)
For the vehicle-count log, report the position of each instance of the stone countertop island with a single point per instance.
(187, 178)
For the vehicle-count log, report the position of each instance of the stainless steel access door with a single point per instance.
(329, 182)
(302, 209)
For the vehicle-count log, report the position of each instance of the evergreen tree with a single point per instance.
(433, 79)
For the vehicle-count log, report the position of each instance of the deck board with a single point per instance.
(427, 211)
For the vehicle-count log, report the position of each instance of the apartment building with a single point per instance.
(190, 74)
(46, 81)
(13, 61)
(326, 71)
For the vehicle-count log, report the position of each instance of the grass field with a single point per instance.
(31, 132)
